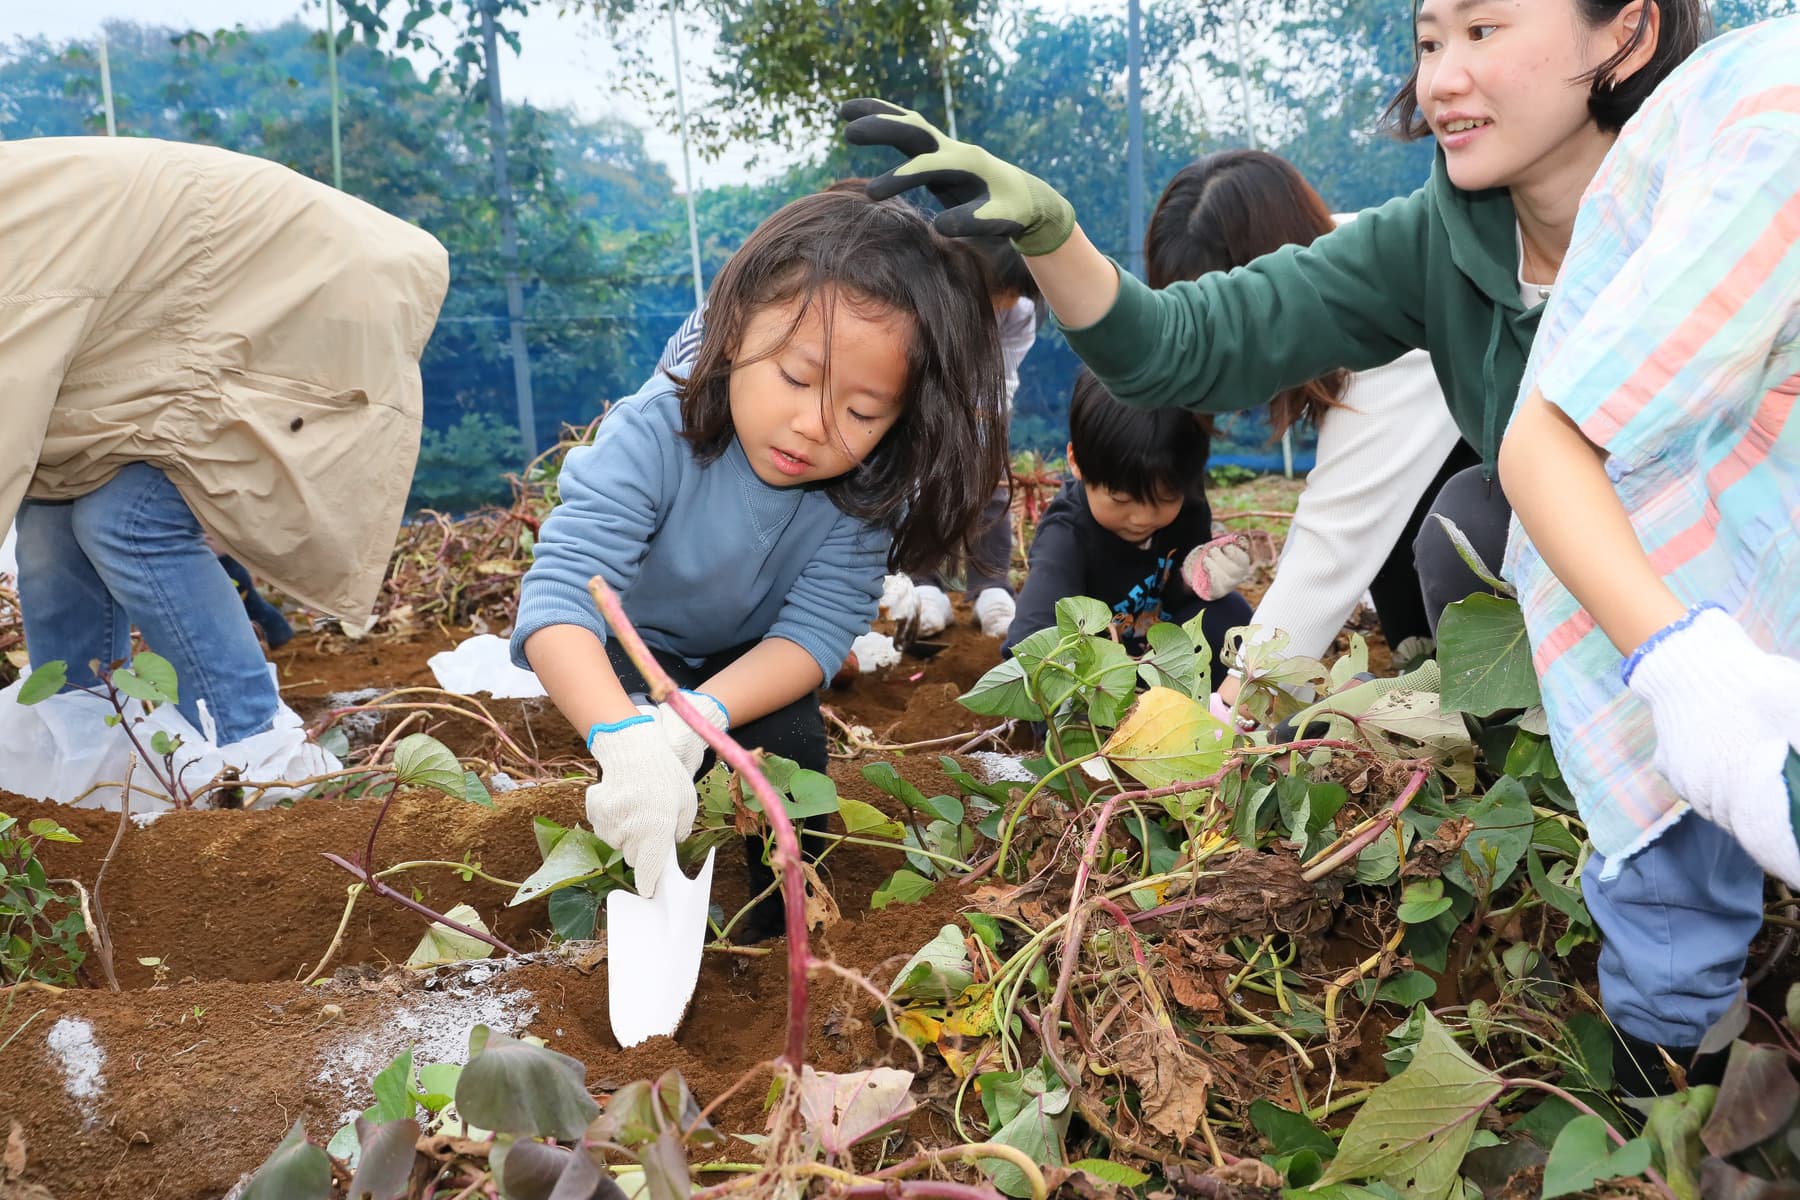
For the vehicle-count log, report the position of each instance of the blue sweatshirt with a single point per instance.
(705, 557)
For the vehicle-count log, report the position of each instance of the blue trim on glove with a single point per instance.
(1676, 626)
(600, 727)
(714, 699)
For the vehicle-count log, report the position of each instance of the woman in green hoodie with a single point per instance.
(1525, 97)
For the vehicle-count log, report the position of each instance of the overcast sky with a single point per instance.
(566, 61)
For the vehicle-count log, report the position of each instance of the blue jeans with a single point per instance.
(131, 551)
(1675, 928)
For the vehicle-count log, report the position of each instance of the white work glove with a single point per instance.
(934, 610)
(899, 601)
(645, 801)
(688, 745)
(994, 610)
(1216, 568)
(874, 651)
(1727, 712)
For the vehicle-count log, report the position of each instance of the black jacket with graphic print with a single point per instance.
(1072, 555)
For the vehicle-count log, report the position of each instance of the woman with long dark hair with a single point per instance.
(1386, 441)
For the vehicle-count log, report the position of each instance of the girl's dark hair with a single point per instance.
(926, 481)
(1611, 102)
(1007, 274)
(1147, 453)
(1225, 210)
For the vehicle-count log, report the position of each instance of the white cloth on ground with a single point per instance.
(60, 748)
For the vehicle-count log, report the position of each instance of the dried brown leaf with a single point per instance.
(1171, 1079)
(822, 910)
(1429, 857)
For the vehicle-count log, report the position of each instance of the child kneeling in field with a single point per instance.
(841, 419)
(1654, 465)
(1120, 529)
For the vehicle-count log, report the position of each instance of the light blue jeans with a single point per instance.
(1675, 929)
(130, 551)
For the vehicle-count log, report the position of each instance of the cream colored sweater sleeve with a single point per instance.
(1376, 457)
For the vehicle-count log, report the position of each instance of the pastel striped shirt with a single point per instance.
(1673, 342)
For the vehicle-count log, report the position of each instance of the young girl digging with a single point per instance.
(842, 418)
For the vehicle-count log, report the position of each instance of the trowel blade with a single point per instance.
(653, 953)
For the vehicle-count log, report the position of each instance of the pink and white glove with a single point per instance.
(1216, 568)
(1221, 711)
(1727, 712)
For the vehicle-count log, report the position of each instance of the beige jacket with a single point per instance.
(254, 334)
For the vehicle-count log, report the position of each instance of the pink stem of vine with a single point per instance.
(381, 889)
(787, 843)
(1333, 859)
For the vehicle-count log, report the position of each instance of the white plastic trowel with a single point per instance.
(653, 953)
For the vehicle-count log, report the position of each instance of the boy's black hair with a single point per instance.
(1146, 453)
(926, 481)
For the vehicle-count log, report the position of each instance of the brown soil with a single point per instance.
(200, 1075)
(201, 1070)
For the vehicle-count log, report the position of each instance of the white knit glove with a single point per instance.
(645, 801)
(899, 601)
(1727, 712)
(934, 610)
(1216, 568)
(688, 745)
(994, 610)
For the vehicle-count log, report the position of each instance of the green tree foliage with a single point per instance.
(1735, 14)
(797, 61)
(603, 240)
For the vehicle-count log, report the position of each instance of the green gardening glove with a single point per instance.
(982, 196)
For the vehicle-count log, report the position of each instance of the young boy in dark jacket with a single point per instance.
(1120, 529)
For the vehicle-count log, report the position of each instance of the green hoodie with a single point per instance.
(1436, 270)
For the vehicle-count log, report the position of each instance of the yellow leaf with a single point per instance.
(1168, 737)
(962, 1060)
(919, 1027)
(973, 1015)
(1210, 844)
(499, 566)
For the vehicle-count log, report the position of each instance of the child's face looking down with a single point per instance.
(798, 422)
(1122, 514)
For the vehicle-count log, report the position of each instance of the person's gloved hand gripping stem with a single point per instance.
(984, 196)
(645, 801)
